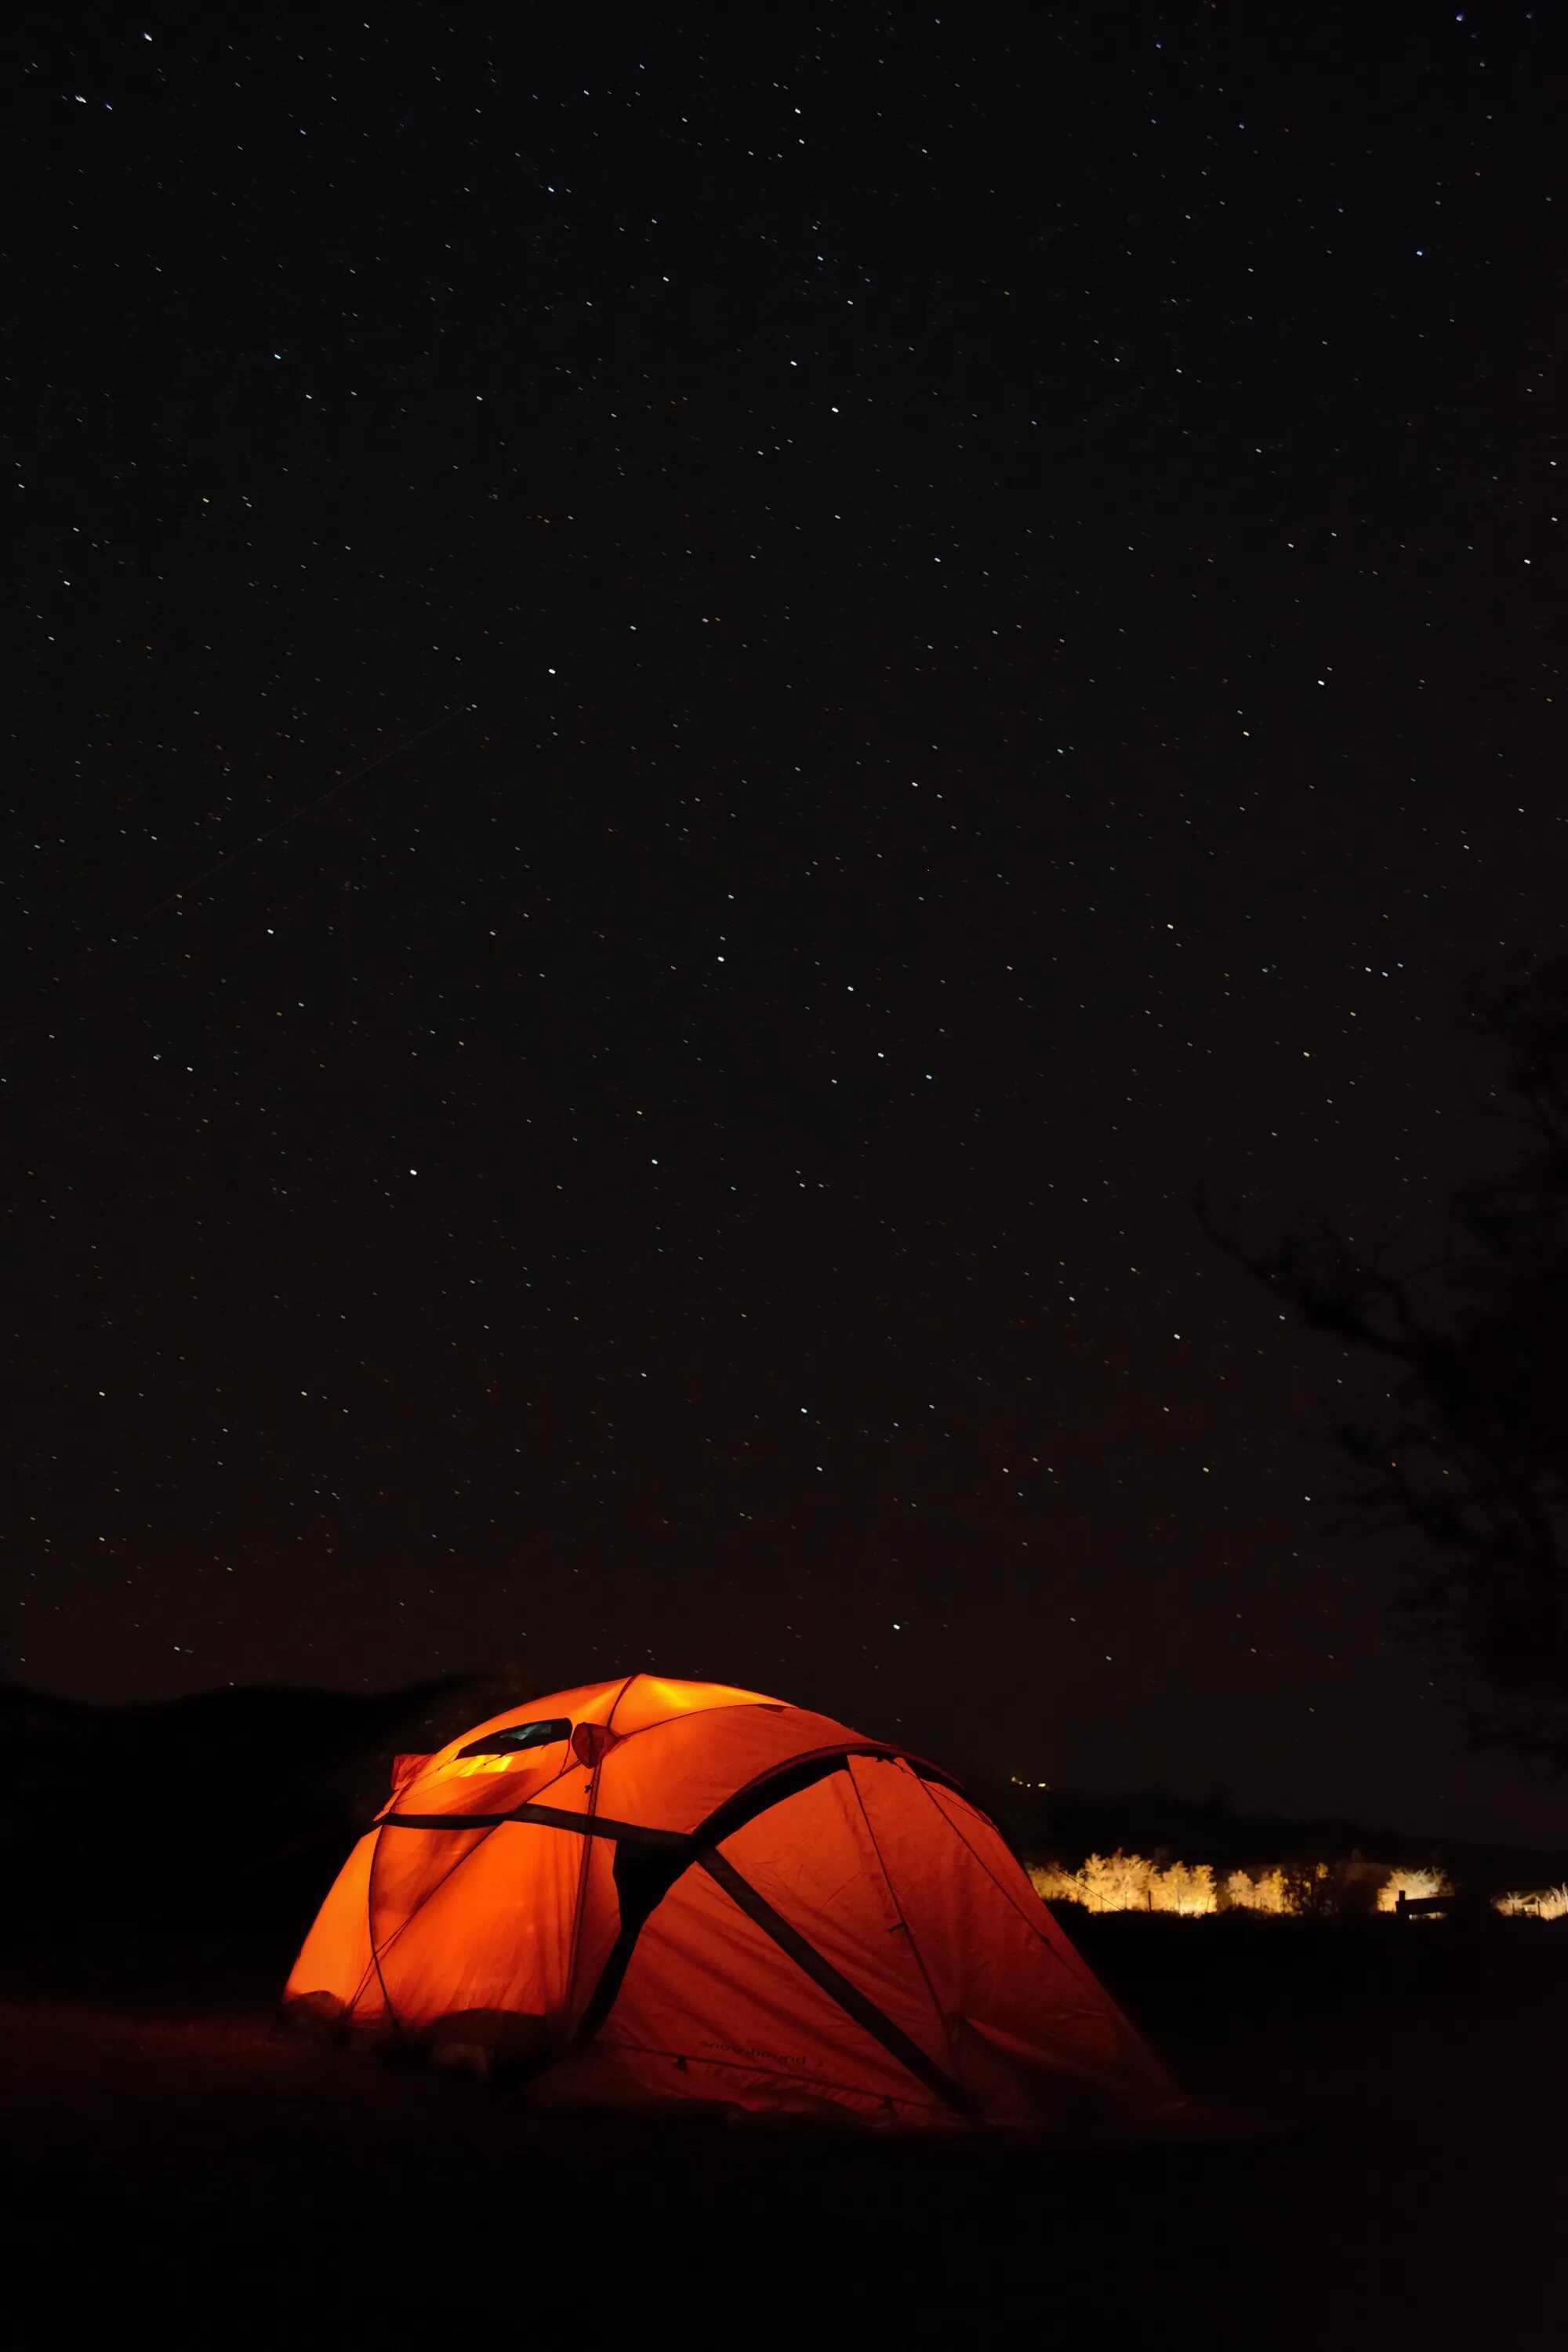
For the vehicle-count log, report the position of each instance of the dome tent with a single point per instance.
(650, 1892)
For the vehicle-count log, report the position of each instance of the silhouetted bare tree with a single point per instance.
(1466, 1455)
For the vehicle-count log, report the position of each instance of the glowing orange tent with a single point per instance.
(648, 1892)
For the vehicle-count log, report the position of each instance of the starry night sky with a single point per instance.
(1005, 565)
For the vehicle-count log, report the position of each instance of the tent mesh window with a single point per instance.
(519, 1734)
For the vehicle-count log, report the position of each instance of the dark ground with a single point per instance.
(179, 2174)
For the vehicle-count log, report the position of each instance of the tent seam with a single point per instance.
(1004, 1891)
(1063, 1950)
(430, 1892)
(939, 2012)
(370, 1931)
(458, 1821)
(900, 2047)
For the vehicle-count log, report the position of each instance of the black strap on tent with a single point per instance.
(769, 1789)
(643, 1879)
(849, 1998)
(648, 1861)
(787, 1780)
(550, 1817)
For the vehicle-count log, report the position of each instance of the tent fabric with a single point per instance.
(657, 1893)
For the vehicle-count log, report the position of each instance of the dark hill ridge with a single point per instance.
(241, 1797)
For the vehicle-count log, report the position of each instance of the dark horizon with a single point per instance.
(1537, 1822)
(1153, 1816)
(1005, 573)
